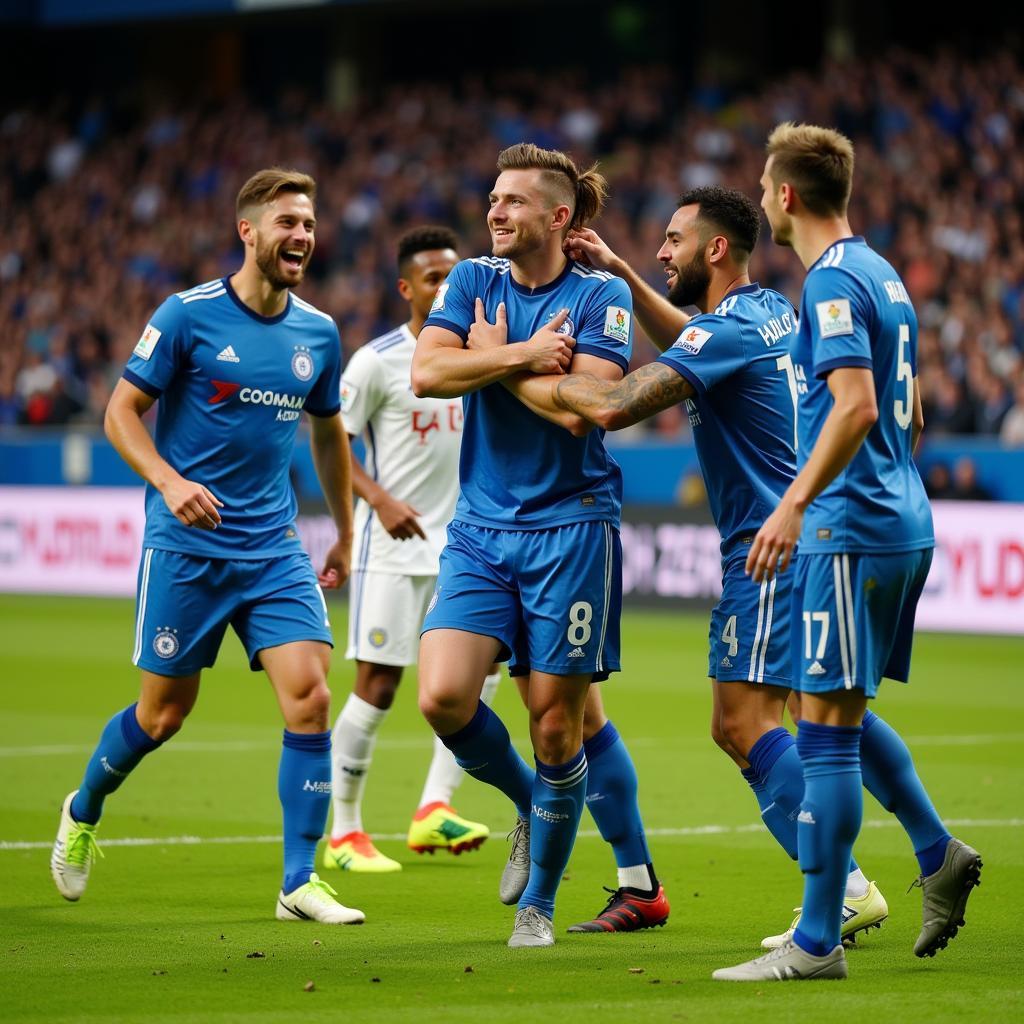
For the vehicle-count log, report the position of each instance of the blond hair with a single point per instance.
(266, 185)
(817, 162)
(584, 192)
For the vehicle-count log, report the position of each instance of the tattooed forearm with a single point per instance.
(642, 393)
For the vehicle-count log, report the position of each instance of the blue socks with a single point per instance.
(304, 788)
(890, 777)
(781, 826)
(612, 797)
(559, 793)
(483, 749)
(829, 821)
(774, 759)
(123, 744)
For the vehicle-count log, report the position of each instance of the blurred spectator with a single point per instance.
(965, 481)
(938, 484)
(1012, 431)
(104, 210)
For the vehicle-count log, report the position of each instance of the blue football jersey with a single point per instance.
(855, 311)
(516, 469)
(743, 415)
(231, 386)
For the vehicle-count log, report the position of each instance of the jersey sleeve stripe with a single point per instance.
(141, 383)
(448, 325)
(603, 353)
(860, 362)
(208, 287)
(302, 304)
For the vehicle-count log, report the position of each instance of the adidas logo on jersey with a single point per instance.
(227, 355)
(817, 669)
(577, 653)
(806, 818)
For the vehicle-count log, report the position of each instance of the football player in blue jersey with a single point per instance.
(232, 364)
(858, 510)
(532, 568)
(731, 366)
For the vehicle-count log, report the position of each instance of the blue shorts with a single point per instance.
(853, 618)
(749, 636)
(552, 598)
(185, 603)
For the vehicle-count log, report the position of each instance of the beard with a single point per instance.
(692, 282)
(266, 261)
(522, 244)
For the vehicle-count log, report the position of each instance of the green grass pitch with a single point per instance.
(166, 930)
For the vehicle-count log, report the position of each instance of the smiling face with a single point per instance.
(523, 215)
(281, 233)
(687, 274)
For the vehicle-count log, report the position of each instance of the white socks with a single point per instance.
(352, 741)
(445, 774)
(856, 885)
(636, 877)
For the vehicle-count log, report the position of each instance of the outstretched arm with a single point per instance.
(618, 404)
(662, 322)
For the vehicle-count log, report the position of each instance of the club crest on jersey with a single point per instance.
(165, 643)
(146, 344)
(693, 339)
(616, 324)
(568, 327)
(834, 317)
(378, 637)
(302, 363)
(438, 304)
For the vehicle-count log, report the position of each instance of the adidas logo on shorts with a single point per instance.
(816, 669)
(577, 653)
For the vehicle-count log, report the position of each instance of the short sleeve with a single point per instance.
(324, 397)
(362, 390)
(161, 350)
(838, 314)
(709, 350)
(606, 330)
(454, 305)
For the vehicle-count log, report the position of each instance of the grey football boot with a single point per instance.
(532, 928)
(944, 897)
(517, 869)
(787, 963)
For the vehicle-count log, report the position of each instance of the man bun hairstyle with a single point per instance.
(266, 185)
(725, 211)
(817, 162)
(426, 238)
(584, 192)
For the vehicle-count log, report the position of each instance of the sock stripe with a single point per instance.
(143, 594)
(565, 781)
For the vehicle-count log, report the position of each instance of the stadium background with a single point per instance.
(126, 127)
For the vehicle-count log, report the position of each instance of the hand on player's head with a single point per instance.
(586, 246)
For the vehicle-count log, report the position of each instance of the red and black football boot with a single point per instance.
(628, 911)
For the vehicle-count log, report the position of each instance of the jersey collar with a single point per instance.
(745, 289)
(855, 239)
(544, 288)
(251, 312)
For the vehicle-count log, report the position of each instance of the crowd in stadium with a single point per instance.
(106, 207)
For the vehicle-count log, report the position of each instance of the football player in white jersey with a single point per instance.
(408, 487)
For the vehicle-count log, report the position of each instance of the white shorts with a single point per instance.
(385, 614)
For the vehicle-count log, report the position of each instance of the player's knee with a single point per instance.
(311, 708)
(445, 709)
(163, 722)
(380, 692)
(718, 734)
(553, 739)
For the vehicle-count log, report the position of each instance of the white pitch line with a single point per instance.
(418, 742)
(695, 830)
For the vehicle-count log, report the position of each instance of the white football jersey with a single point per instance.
(412, 451)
